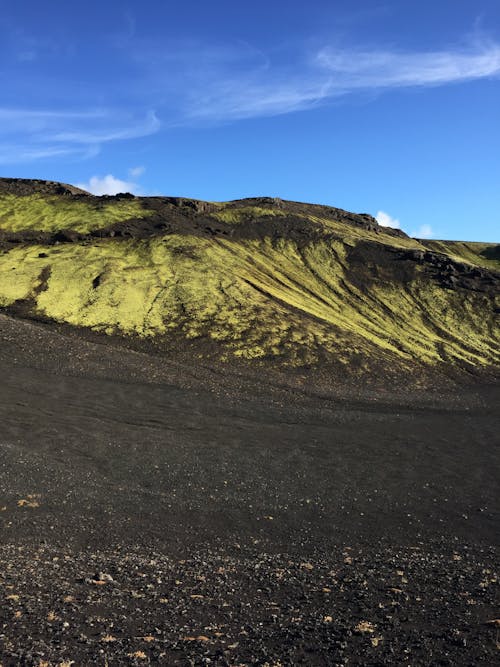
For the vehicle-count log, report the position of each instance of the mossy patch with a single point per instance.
(296, 282)
(53, 214)
(246, 213)
(254, 297)
(486, 255)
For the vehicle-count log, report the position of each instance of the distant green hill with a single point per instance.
(263, 278)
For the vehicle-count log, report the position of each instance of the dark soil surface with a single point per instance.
(158, 512)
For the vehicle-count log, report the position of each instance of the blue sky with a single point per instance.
(390, 107)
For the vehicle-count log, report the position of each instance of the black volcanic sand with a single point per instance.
(160, 513)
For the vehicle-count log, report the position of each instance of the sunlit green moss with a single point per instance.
(479, 254)
(52, 214)
(256, 298)
(245, 213)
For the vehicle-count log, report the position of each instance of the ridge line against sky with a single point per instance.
(197, 95)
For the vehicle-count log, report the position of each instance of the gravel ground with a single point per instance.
(158, 513)
(422, 605)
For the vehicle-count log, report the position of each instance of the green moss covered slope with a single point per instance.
(254, 279)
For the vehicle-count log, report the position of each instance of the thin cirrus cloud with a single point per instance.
(28, 135)
(18, 153)
(237, 99)
(232, 87)
(334, 73)
(91, 136)
(385, 69)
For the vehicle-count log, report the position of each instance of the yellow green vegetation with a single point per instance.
(245, 213)
(255, 297)
(51, 214)
(351, 234)
(479, 254)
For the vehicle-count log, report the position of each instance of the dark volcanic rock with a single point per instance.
(28, 186)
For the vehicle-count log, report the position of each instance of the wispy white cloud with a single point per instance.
(136, 172)
(108, 185)
(424, 232)
(229, 83)
(28, 135)
(235, 100)
(93, 135)
(332, 73)
(385, 220)
(20, 153)
(385, 69)
(34, 122)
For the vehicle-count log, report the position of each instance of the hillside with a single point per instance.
(256, 279)
(256, 432)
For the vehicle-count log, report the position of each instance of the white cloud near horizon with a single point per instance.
(109, 185)
(385, 220)
(424, 232)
